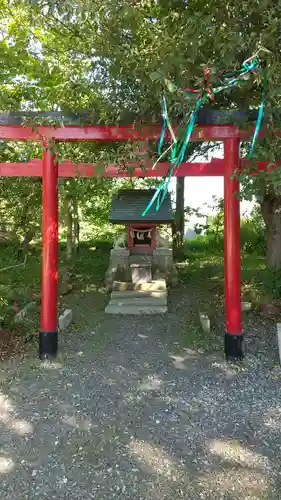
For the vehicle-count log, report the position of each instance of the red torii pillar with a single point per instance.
(232, 266)
(48, 336)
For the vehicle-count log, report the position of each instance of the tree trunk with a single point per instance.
(76, 225)
(178, 226)
(271, 212)
(28, 236)
(69, 224)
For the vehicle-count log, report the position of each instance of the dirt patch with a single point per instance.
(11, 344)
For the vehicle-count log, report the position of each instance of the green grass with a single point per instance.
(201, 276)
(255, 276)
(18, 283)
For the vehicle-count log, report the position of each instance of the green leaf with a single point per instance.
(155, 76)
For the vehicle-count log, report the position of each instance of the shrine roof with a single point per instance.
(128, 206)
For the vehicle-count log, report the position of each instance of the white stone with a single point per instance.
(246, 306)
(22, 314)
(205, 322)
(65, 319)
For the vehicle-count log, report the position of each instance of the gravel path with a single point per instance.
(146, 419)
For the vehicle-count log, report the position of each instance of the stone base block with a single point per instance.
(141, 273)
(118, 268)
(65, 319)
(135, 310)
(139, 301)
(163, 265)
(139, 294)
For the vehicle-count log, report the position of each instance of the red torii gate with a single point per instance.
(48, 168)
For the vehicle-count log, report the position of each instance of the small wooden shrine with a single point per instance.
(127, 208)
(141, 261)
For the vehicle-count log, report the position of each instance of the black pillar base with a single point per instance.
(233, 347)
(48, 345)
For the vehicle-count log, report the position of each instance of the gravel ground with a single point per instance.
(145, 419)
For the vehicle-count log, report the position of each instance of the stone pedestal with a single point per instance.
(141, 273)
(118, 269)
(163, 265)
(163, 260)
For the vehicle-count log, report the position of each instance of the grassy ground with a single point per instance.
(258, 283)
(201, 280)
(19, 284)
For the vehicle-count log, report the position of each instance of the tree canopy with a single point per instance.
(101, 55)
(111, 58)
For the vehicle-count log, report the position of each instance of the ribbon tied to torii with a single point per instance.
(203, 95)
(140, 233)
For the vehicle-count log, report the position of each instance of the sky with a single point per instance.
(200, 190)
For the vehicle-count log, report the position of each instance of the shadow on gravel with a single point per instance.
(141, 422)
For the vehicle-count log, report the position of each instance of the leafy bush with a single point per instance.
(272, 284)
(252, 234)
(252, 237)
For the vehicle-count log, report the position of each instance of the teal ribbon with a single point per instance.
(179, 147)
(165, 122)
(154, 197)
(257, 129)
(161, 192)
(189, 130)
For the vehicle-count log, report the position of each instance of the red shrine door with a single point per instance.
(141, 238)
